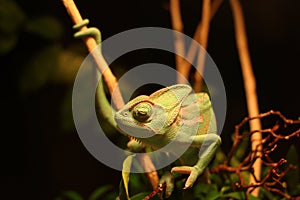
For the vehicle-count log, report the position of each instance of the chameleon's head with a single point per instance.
(147, 116)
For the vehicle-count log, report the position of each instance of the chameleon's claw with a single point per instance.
(193, 172)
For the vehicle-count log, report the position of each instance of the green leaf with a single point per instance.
(126, 173)
(293, 175)
(122, 193)
(242, 149)
(47, 27)
(140, 196)
(71, 195)
(251, 197)
(235, 195)
(100, 191)
(266, 194)
(206, 191)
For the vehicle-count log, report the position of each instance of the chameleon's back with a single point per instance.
(196, 110)
(196, 114)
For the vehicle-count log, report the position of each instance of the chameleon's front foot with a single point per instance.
(194, 172)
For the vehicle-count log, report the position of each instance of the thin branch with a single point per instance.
(179, 43)
(91, 45)
(182, 65)
(205, 24)
(272, 181)
(249, 81)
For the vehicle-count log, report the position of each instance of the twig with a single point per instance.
(182, 65)
(205, 22)
(179, 43)
(158, 190)
(273, 179)
(249, 81)
(149, 167)
(91, 45)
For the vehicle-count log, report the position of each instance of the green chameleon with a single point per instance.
(172, 114)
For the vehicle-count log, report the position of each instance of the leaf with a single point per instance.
(206, 191)
(126, 173)
(293, 174)
(266, 194)
(235, 195)
(47, 27)
(71, 195)
(140, 196)
(251, 197)
(100, 191)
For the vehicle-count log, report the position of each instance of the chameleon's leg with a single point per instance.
(208, 145)
(91, 31)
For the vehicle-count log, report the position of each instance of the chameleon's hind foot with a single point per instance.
(92, 31)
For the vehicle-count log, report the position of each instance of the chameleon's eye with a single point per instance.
(142, 112)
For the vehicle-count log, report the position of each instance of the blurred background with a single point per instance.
(41, 153)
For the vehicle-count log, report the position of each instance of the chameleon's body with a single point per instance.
(171, 114)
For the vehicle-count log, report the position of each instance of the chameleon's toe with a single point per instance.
(193, 172)
(191, 179)
(182, 169)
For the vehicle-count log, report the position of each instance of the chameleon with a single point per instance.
(174, 114)
(171, 114)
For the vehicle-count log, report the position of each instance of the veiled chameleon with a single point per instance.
(172, 114)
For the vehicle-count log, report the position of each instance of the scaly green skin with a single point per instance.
(174, 112)
(168, 113)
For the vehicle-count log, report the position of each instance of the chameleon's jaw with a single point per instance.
(132, 128)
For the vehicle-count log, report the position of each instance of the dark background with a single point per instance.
(41, 159)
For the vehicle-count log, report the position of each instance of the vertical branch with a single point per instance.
(204, 30)
(179, 43)
(193, 47)
(249, 84)
(91, 45)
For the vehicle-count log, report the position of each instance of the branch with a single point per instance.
(273, 179)
(179, 43)
(193, 48)
(91, 45)
(249, 81)
(204, 30)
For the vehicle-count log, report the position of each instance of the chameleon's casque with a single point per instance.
(173, 114)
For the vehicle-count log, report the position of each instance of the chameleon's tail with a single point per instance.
(102, 103)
